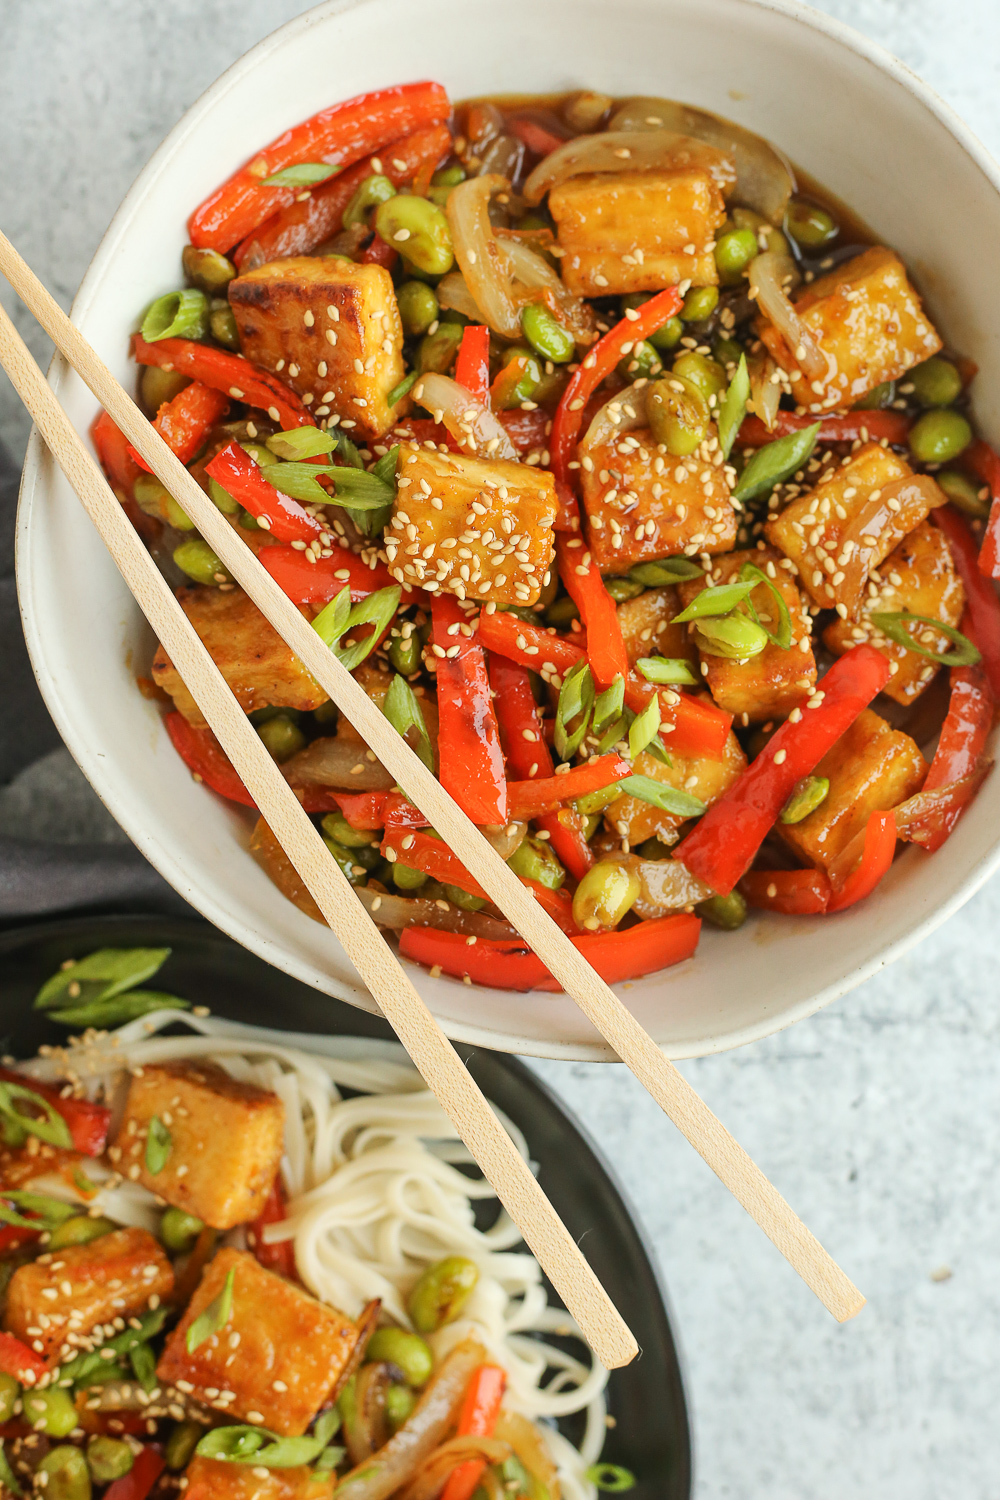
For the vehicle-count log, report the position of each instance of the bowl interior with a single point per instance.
(855, 119)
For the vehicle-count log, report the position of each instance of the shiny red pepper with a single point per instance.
(982, 607)
(226, 372)
(422, 851)
(340, 135)
(18, 1360)
(472, 363)
(558, 904)
(88, 1123)
(568, 839)
(879, 848)
(959, 765)
(597, 366)
(137, 1483)
(722, 845)
(282, 516)
(583, 582)
(477, 1418)
(849, 428)
(546, 794)
(317, 582)
(115, 454)
(378, 253)
(281, 1256)
(530, 645)
(185, 422)
(538, 138)
(365, 811)
(984, 462)
(469, 753)
(797, 893)
(205, 758)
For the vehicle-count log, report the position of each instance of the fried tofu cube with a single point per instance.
(226, 1139)
(288, 1358)
(215, 1479)
(815, 530)
(261, 670)
(481, 529)
(642, 504)
(920, 578)
(647, 627)
(74, 1290)
(330, 330)
(637, 231)
(708, 779)
(868, 321)
(871, 768)
(769, 685)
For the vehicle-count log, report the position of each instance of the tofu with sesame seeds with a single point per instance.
(871, 768)
(281, 1355)
(769, 685)
(647, 628)
(642, 504)
(75, 1290)
(637, 231)
(224, 1140)
(480, 529)
(636, 821)
(217, 1479)
(261, 670)
(868, 321)
(815, 529)
(920, 578)
(330, 330)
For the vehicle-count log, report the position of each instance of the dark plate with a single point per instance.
(646, 1400)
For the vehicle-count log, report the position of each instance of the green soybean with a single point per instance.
(66, 1474)
(198, 561)
(545, 334)
(441, 1292)
(369, 194)
(561, 613)
(406, 878)
(179, 1230)
(407, 1351)
(462, 899)
(605, 894)
(734, 251)
(349, 861)
(10, 1394)
(699, 303)
(282, 737)
(727, 351)
(418, 307)
(448, 177)
(534, 860)
(939, 436)
(878, 397)
(438, 349)
(935, 383)
(336, 826)
(157, 386)
(706, 375)
(222, 326)
(406, 652)
(180, 1445)
(806, 796)
(727, 912)
(419, 229)
(50, 1411)
(108, 1458)
(971, 498)
(643, 362)
(399, 1404)
(678, 419)
(668, 336)
(208, 270)
(155, 499)
(80, 1230)
(809, 225)
(621, 589)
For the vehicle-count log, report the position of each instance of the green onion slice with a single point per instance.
(775, 462)
(301, 442)
(258, 1446)
(783, 636)
(327, 1425)
(337, 618)
(48, 1212)
(402, 709)
(576, 701)
(895, 625)
(734, 407)
(177, 315)
(666, 570)
(143, 1363)
(404, 388)
(214, 1318)
(104, 1014)
(17, 1125)
(349, 451)
(661, 794)
(159, 1144)
(667, 671)
(101, 975)
(718, 599)
(80, 1370)
(608, 706)
(618, 730)
(304, 174)
(644, 727)
(611, 1477)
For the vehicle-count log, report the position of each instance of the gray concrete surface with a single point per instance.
(879, 1119)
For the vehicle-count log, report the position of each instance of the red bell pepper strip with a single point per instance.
(137, 1483)
(928, 818)
(279, 1257)
(538, 138)
(984, 462)
(115, 454)
(517, 714)
(879, 848)
(12, 1237)
(472, 363)
(848, 428)
(205, 758)
(568, 514)
(959, 765)
(721, 847)
(306, 223)
(18, 1360)
(529, 645)
(364, 811)
(595, 368)
(568, 838)
(527, 799)
(226, 372)
(422, 851)
(527, 430)
(282, 516)
(558, 904)
(477, 1418)
(471, 760)
(797, 893)
(982, 607)
(317, 582)
(509, 965)
(585, 586)
(340, 135)
(378, 253)
(691, 727)
(88, 1123)
(185, 422)
(401, 815)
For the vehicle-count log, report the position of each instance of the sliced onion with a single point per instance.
(370, 1428)
(533, 272)
(483, 263)
(666, 886)
(429, 1483)
(393, 913)
(628, 151)
(765, 393)
(452, 292)
(505, 839)
(528, 1443)
(624, 412)
(331, 761)
(505, 155)
(874, 519)
(764, 178)
(919, 819)
(474, 425)
(766, 274)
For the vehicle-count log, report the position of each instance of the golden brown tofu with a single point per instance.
(215, 1479)
(467, 526)
(871, 768)
(285, 1362)
(647, 628)
(56, 1301)
(249, 652)
(920, 578)
(769, 685)
(642, 504)
(868, 321)
(708, 779)
(331, 331)
(637, 231)
(877, 488)
(224, 1140)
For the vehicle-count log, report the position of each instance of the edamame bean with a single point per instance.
(208, 270)
(10, 1394)
(606, 893)
(79, 1230)
(442, 1292)
(198, 561)
(399, 1403)
(706, 375)
(50, 1411)
(643, 362)
(179, 1230)
(534, 860)
(336, 826)
(727, 912)
(349, 862)
(546, 335)
(407, 1351)
(935, 383)
(375, 190)
(108, 1458)
(222, 326)
(971, 498)
(66, 1474)
(156, 500)
(222, 498)
(624, 588)
(180, 1445)
(518, 380)
(282, 737)
(652, 849)
(438, 349)
(159, 386)
(734, 251)
(678, 419)
(809, 225)
(561, 613)
(699, 303)
(727, 351)
(462, 899)
(405, 650)
(667, 337)
(877, 398)
(406, 878)
(418, 307)
(809, 794)
(939, 436)
(448, 177)
(419, 229)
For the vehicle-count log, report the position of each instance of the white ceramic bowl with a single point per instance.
(846, 112)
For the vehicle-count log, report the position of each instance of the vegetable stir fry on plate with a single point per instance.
(632, 482)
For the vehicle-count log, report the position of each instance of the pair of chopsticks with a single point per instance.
(413, 1023)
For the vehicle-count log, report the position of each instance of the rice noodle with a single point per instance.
(766, 274)
(473, 424)
(628, 151)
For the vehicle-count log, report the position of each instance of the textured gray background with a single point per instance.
(879, 1120)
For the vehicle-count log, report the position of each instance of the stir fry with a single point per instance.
(630, 479)
(238, 1271)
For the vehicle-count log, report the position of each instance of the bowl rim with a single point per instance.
(170, 864)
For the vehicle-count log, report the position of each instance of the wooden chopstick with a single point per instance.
(597, 1001)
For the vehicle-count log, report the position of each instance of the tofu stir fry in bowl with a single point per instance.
(238, 1271)
(628, 477)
